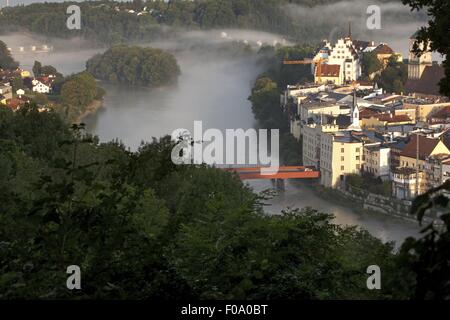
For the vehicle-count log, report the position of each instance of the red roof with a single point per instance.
(426, 147)
(383, 49)
(14, 103)
(329, 70)
(428, 83)
(368, 113)
(388, 117)
(444, 113)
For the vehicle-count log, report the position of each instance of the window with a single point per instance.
(357, 149)
(342, 168)
(358, 167)
(342, 150)
(342, 158)
(357, 157)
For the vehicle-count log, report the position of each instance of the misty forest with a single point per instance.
(141, 227)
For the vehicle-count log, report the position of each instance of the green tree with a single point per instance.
(135, 66)
(77, 93)
(435, 34)
(370, 64)
(40, 99)
(37, 68)
(6, 60)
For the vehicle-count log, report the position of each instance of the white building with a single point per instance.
(344, 54)
(20, 92)
(377, 160)
(40, 87)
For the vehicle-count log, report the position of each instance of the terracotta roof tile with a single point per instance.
(426, 147)
(428, 83)
(383, 49)
(329, 70)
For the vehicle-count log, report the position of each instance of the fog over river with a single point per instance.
(214, 88)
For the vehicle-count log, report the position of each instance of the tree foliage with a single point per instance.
(393, 78)
(6, 60)
(140, 227)
(135, 66)
(77, 93)
(426, 260)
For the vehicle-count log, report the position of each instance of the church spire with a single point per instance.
(354, 116)
(349, 30)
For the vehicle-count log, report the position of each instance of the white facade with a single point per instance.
(344, 54)
(377, 160)
(40, 87)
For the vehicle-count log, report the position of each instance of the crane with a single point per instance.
(317, 62)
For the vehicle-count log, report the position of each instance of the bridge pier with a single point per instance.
(280, 184)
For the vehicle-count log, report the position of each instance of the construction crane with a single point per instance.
(317, 62)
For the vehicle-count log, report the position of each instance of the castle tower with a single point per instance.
(417, 65)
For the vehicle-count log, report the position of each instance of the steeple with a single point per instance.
(354, 116)
(349, 30)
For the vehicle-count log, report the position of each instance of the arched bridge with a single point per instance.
(283, 173)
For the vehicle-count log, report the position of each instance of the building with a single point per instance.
(40, 87)
(20, 92)
(6, 91)
(295, 94)
(329, 73)
(25, 74)
(416, 64)
(343, 54)
(425, 107)
(312, 135)
(308, 109)
(384, 120)
(384, 53)
(416, 152)
(377, 160)
(442, 116)
(437, 170)
(428, 83)
(405, 181)
(423, 75)
(417, 172)
(341, 154)
(396, 149)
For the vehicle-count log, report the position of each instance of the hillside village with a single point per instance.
(26, 88)
(356, 133)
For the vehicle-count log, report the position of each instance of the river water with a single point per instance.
(213, 88)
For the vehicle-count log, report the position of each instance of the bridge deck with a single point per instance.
(286, 172)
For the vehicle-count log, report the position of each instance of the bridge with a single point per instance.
(283, 173)
(31, 49)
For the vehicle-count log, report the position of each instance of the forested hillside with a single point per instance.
(109, 22)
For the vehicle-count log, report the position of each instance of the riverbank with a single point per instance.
(368, 203)
(92, 108)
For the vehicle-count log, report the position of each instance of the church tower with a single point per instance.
(354, 117)
(417, 65)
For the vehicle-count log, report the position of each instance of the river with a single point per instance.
(212, 88)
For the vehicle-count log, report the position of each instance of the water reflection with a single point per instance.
(300, 194)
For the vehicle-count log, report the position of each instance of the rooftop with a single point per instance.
(428, 83)
(426, 147)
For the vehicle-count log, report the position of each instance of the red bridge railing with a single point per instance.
(286, 172)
